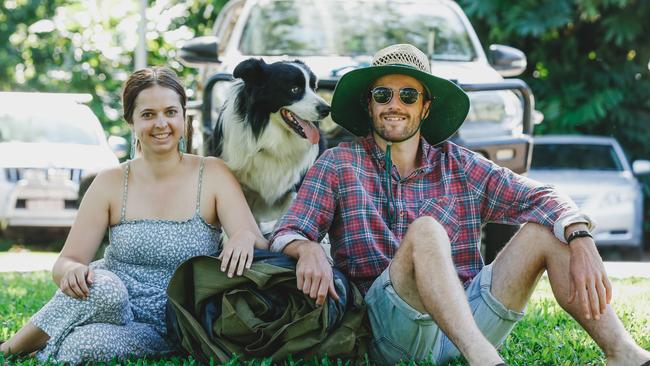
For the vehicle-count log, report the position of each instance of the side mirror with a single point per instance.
(507, 61)
(119, 145)
(640, 167)
(200, 50)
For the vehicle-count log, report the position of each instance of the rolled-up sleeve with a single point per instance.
(312, 212)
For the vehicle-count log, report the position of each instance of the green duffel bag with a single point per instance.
(261, 314)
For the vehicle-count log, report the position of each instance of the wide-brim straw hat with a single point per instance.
(449, 103)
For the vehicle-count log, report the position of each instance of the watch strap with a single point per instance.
(578, 234)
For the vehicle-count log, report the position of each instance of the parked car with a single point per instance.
(334, 37)
(596, 174)
(48, 143)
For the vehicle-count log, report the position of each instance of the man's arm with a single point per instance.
(306, 221)
(589, 282)
(510, 198)
(313, 271)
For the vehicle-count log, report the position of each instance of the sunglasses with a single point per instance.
(383, 95)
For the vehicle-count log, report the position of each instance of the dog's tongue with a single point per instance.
(310, 131)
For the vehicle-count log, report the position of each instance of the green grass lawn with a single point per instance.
(546, 336)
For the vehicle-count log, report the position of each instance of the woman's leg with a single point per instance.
(101, 342)
(29, 338)
(107, 303)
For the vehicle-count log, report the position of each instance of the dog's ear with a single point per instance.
(251, 70)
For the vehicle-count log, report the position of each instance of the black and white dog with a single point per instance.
(266, 132)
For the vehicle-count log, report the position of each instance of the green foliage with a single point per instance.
(546, 335)
(587, 62)
(88, 46)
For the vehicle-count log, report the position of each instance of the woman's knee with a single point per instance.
(107, 292)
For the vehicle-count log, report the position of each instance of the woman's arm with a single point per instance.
(236, 218)
(70, 271)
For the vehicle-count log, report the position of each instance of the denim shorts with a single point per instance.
(402, 333)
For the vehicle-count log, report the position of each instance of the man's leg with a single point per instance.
(423, 275)
(521, 263)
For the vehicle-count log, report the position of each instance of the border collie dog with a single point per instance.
(266, 132)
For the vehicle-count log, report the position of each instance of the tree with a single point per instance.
(87, 46)
(588, 62)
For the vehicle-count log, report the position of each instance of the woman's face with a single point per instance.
(158, 120)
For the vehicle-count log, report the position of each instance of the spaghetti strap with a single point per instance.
(126, 190)
(198, 190)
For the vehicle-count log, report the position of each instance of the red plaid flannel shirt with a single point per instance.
(343, 195)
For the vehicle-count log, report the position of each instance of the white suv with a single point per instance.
(48, 144)
(336, 36)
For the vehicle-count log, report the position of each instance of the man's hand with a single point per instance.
(589, 282)
(313, 271)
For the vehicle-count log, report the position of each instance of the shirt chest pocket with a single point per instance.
(444, 210)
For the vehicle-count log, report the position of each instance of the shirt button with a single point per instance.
(402, 213)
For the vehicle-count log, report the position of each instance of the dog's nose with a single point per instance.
(323, 110)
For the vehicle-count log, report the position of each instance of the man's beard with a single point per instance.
(409, 131)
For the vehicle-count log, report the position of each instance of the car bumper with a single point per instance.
(617, 226)
(39, 205)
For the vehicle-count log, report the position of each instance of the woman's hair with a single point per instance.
(146, 78)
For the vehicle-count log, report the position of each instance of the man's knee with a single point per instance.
(536, 234)
(425, 234)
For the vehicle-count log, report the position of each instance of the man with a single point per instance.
(404, 209)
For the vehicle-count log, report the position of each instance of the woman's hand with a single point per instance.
(76, 281)
(237, 253)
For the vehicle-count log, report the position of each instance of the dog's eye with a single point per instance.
(295, 90)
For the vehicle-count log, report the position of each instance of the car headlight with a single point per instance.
(614, 198)
(493, 114)
(35, 174)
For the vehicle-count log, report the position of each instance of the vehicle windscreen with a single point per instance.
(575, 156)
(351, 28)
(68, 125)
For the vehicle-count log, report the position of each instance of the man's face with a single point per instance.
(395, 120)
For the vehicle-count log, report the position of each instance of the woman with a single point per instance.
(160, 209)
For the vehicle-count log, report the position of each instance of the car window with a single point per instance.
(70, 124)
(575, 156)
(350, 28)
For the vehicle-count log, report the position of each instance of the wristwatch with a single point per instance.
(578, 234)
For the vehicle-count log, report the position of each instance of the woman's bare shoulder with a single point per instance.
(111, 176)
(217, 172)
